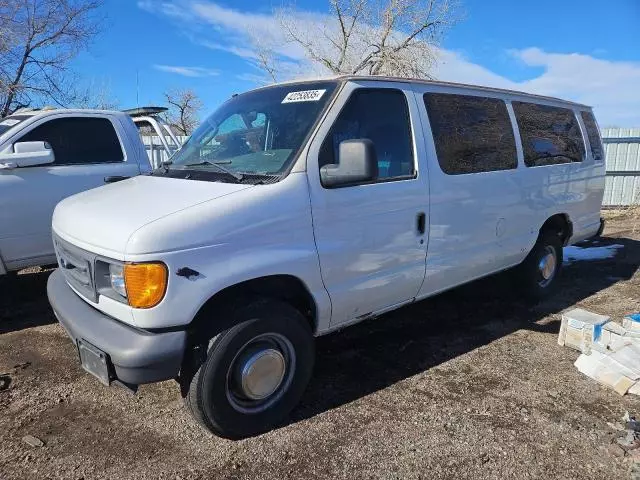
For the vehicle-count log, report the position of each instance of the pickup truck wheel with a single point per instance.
(538, 273)
(255, 372)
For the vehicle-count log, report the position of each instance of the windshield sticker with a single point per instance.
(10, 122)
(304, 96)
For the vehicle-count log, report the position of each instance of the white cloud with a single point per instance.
(611, 87)
(243, 52)
(188, 71)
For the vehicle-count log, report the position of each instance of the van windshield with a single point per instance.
(259, 132)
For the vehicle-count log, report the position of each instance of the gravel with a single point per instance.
(469, 384)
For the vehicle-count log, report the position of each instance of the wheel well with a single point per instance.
(287, 288)
(205, 325)
(561, 225)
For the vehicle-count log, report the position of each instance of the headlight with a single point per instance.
(116, 276)
(145, 283)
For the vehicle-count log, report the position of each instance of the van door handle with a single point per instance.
(422, 223)
(114, 178)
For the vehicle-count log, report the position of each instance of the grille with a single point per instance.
(77, 267)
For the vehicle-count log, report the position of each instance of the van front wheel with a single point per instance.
(538, 273)
(255, 372)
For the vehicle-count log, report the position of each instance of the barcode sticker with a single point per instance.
(304, 96)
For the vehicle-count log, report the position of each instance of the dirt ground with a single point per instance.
(469, 384)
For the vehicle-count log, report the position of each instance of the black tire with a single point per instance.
(211, 398)
(530, 279)
(9, 276)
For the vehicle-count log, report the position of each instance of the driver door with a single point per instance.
(372, 238)
(87, 150)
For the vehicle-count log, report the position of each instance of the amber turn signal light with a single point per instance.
(146, 283)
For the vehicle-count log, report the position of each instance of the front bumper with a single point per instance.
(134, 356)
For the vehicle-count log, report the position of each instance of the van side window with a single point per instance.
(593, 133)
(550, 135)
(79, 140)
(472, 134)
(382, 116)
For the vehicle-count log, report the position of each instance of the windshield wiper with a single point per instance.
(237, 176)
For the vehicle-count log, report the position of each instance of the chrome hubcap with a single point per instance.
(547, 266)
(260, 373)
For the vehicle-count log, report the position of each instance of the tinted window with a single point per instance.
(594, 135)
(382, 116)
(78, 140)
(550, 135)
(471, 134)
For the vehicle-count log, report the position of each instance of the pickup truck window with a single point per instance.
(78, 140)
(259, 132)
(382, 116)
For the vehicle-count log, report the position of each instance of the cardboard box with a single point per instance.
(619, 370)
(581, 329)
(632, 323)
(612, 338)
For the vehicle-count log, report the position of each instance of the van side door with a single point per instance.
(88, 150)
(371, 238)
(476, 194)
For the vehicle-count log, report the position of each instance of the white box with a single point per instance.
(598, 366)
(580, 329)
(632, 323)
(612, 338)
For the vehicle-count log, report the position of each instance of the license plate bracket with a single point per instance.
(94, 361)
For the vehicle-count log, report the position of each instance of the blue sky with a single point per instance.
(586, 50)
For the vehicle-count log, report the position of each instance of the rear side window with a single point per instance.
(593, 133)
(79, 140)
(471, 134)
(550, 135)
(382, 116)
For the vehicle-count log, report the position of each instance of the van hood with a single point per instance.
(104, 219)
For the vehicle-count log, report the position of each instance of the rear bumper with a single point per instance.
(135, 356)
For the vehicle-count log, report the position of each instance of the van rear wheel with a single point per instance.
(255, 372)
(537, 275)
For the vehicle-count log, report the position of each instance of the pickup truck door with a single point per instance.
(371, 238)
(89, 151)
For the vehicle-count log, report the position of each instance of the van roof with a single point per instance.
(481, 88)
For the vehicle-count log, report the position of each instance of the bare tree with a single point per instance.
(369, 37)
(38, 39)
(95, 96)
(184, 106)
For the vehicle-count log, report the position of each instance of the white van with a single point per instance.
(300, 208)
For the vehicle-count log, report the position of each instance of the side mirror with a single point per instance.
(357, 163)
(27, 154)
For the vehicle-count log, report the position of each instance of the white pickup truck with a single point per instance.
(48, 155)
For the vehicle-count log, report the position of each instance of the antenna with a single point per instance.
(137, 88)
